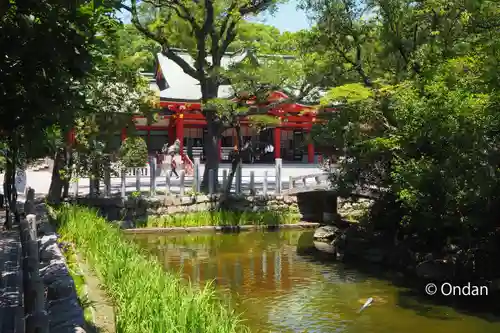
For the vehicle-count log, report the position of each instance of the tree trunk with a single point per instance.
(7, 190)
(56, 184)
(68, 161)
(235, 161)
(10, 185)
(211, 150)
(95, 177)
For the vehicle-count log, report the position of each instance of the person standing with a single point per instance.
(173, 166)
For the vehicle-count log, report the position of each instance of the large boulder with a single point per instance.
(326, 233)
(325, 247)
(305, 243)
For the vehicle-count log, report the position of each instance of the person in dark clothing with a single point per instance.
(173, 170)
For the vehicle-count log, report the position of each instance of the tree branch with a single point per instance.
(163, 41)
(187, 68)
(186, 14)
(229, 36)
(209, 28)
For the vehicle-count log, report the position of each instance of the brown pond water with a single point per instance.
(278, 290)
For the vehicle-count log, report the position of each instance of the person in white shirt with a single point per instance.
(269, 148)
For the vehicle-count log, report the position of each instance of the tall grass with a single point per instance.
(79, 280)
(222, 218)
(147, 299)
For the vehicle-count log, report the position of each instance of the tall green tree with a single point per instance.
(46, 53)
(206, 30)
(115, 90)
(419, 113)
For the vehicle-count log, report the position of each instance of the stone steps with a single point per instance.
(11, 310)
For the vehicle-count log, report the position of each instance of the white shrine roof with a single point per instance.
(181, 86)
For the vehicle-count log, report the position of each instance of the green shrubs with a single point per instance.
(221, 218)
(134, 152)
(147, 299)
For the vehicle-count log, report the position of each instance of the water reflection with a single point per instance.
(280, 291)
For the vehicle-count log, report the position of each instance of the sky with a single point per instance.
(287, 18)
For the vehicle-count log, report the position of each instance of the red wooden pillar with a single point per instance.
(219, 145)
(124, 134)
(179, 130)
(310, 147)
(277, 142)
(71, 137)
(171, 130)
(310, 153)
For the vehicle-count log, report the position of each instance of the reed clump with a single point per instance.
(147, 299)
(222, 218)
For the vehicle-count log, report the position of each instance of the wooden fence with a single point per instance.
(255, 184)
(36, 319)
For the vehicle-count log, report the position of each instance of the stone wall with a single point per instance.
(136, 209)
(308, 207)
(64, 311)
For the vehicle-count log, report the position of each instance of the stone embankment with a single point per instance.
(64, 311)
(137, 209)
(11, 310)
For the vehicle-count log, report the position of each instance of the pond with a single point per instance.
(278, 290)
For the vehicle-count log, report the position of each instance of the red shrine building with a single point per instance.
(182, 119)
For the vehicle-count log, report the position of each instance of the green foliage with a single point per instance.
(146, 298)
(419, 117)
(223, 218)
(348, 93)
(134, 50)
(134, 152)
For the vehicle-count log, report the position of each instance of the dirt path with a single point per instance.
(102, 309)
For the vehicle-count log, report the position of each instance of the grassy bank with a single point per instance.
(147, 299)
(220, 218)
(80, 282)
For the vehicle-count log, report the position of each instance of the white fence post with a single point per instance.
(290, 183)
(152, 176)
(138, 179)
(107, 183)
(196, 175)
(264, 183)
(76, 185)
(181, 182)
(92, 191)
(278, 165)
(167, 182)
(123, 176)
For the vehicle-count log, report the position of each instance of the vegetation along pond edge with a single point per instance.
(229, 228)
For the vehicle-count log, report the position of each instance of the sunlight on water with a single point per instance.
(278, 290)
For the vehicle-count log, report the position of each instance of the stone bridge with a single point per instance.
(317, 200)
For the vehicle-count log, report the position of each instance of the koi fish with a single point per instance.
(368, 302)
